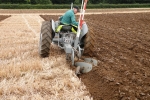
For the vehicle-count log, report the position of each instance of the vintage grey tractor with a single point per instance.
(66, 39)
(75, 44)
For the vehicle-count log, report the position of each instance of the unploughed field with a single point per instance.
(26, 76)
(123, 71)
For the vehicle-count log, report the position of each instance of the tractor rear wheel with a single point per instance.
(89, 43)
(45, 39)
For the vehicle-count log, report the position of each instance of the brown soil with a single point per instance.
(2, 17)
(123, 52)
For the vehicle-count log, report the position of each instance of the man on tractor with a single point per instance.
(69, 19)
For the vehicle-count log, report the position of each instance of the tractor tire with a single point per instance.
(89, 44)
(45, 39)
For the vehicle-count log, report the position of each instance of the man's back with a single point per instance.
(69, 18)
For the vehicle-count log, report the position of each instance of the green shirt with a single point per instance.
(69, 18)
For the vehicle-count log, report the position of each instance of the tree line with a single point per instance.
(72, 1)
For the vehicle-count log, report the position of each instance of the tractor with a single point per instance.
(74, 45)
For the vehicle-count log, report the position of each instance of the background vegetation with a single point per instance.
(69, 1)
(55, 4)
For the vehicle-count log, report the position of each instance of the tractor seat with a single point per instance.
(66, 28)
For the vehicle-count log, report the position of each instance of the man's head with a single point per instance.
(76, 9)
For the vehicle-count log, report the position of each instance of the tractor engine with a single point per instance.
(67, 41)
(68, 38)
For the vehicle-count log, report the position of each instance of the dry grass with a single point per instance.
(26, 76)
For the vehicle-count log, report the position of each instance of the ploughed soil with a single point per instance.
(123, 51)
(2, 17)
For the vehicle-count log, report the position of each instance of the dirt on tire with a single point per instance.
(123, 52)
(45, 39)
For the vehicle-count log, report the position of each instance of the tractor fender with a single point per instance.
(53, 25)
(84, 31)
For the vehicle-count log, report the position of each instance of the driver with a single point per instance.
(69, 19)
(69, 16)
